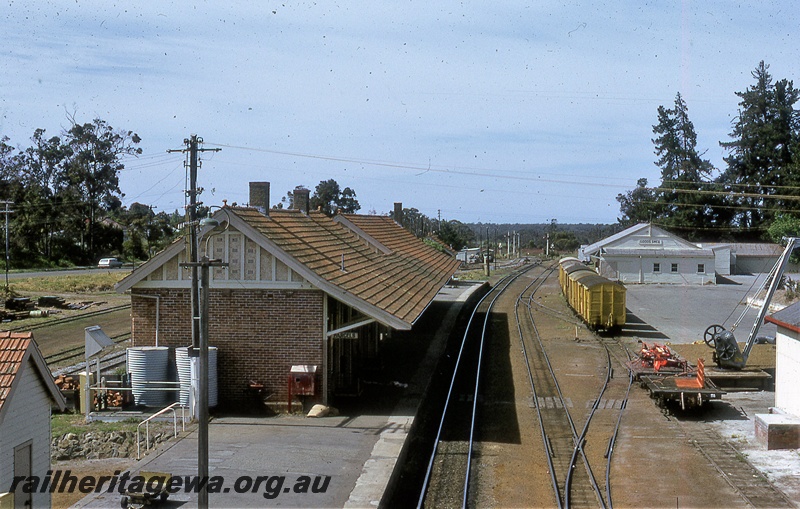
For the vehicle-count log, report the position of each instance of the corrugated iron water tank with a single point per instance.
(189, 368)
(148, 365)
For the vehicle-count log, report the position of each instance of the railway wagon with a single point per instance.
(599, 301)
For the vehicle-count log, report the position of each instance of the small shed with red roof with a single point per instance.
(27, 395)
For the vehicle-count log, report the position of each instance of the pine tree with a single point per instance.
(763, 150)
(684, 172)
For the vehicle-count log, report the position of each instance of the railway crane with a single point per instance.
(727, 354)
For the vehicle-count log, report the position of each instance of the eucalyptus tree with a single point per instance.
(638, 205)
(95, 153)
(329, 197)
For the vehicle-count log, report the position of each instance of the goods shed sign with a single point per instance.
(650, 242)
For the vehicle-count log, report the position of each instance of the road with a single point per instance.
(78, 271)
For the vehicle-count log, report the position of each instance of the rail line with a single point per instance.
(78, 351)
(107, 363)
(450, 462)
(564, 445)
(74, 318)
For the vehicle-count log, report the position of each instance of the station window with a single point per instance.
(674, 267)
(701, 268)
(656, 267)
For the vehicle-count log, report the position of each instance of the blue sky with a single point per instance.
(515, 112)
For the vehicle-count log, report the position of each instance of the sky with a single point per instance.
(493, 112)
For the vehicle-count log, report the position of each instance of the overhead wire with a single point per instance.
(483, 172)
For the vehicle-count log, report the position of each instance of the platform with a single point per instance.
(746, 379)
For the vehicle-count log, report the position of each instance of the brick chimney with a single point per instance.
(259, 196)
(398, 213)
(301, 199)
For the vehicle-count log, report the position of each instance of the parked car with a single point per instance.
(109, 263)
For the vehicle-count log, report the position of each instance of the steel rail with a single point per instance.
(78, 351)
(612, 441)
(582, 438)
(68, 319)
(545, 440)
(577, 439)
(476, 392)
(429, 471)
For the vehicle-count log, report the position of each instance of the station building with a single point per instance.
(645, 253)
(299, 288)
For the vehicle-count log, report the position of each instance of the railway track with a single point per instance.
(77, 353)
(69, 319)
(572, 472)
(569, 427)
(562, 443)
(449, 475)
(755, 489)
(451, 478)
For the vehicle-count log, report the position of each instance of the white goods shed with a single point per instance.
(648, 254)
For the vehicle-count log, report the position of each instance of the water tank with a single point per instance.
(148, 366)
(189, 368)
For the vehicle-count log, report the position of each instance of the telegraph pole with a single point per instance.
(199, 335)
(7, 212)
(192, 148)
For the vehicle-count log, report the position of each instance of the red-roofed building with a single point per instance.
(27, 394)
(300, 288)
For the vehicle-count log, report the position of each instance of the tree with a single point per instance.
(784, 225)
(90, 170)
(637, 206)
(455, 234)
(764, 147)
(683, 170)
(63, 187)
(565, 241)
(330, 198)
(416, 222)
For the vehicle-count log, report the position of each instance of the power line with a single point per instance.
(427, 168)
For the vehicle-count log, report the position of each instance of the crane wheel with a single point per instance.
(728, 352)
(711, 333)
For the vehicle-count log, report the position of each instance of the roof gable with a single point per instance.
(370, 264)
(641, 236)
(16, 349)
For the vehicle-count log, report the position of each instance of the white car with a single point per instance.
(109, 263)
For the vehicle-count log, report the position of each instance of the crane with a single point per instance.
(727, 354)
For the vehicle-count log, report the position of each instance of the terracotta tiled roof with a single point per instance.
(13, 349)
(12, 352)
(400, 280)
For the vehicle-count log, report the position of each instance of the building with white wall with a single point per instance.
(787, 358)
(648, 254)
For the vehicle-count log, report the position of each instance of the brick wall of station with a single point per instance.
(259, 334)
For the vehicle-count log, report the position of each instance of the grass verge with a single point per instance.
(99, 282)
